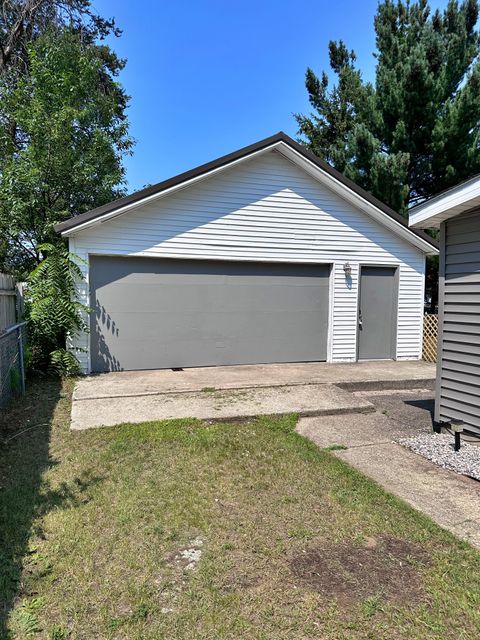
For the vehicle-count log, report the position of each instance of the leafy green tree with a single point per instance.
(70, 135)
(416, 129)
(54, 311)
(63, 132)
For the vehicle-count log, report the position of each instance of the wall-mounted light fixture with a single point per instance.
(347, 269)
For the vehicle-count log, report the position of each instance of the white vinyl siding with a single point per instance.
(269, 209)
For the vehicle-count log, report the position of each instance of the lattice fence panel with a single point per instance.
(430, 334)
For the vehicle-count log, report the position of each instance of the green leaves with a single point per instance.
(26, 616)
(417, 131)
(64, 363)
(63, 133)
(54, 309)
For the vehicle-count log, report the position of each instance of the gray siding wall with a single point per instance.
(458, 369)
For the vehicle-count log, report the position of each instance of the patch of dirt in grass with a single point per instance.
(177, 566)
(188, 558)
(385, 566)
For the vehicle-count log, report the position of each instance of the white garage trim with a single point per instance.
(166, 192)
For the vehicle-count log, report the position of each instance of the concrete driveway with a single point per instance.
(236, 392)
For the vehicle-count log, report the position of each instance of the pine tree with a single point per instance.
(416, 130)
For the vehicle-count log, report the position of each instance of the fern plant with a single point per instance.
(54, 310)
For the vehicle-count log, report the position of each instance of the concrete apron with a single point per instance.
(211, 404)
(237, 392)
(357, 375)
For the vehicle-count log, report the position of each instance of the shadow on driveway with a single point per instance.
(412, 410)
(426, 405)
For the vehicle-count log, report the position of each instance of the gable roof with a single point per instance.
(280, 141)
(446, 204)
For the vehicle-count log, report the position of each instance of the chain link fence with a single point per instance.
(12, 339)
(12, 366)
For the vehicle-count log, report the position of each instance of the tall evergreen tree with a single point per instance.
(416, 129)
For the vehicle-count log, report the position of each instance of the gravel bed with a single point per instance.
(438, 447)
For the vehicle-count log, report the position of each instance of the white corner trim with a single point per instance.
(331, 312)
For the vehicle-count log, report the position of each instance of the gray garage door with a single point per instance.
(152, 313)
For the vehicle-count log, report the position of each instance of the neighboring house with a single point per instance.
(456, 213)
(264, 255)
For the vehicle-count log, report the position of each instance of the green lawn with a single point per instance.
(183, 530)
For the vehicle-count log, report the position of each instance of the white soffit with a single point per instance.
(433, 212)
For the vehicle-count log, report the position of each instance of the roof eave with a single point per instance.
(291, 149)
(182, 180)
(373, 207)
(457, 200)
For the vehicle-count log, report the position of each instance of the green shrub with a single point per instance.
(54, 311)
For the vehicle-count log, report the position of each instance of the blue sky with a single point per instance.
(207, 77)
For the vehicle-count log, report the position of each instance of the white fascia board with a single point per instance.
(442, 207)
(357, 200)
(166, 192)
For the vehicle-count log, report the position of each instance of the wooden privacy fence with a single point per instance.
(8, 301)
(430, 335)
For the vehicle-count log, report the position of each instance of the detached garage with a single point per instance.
(265, 255)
